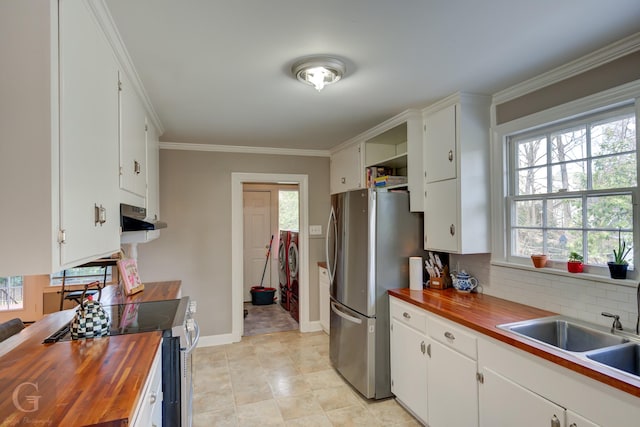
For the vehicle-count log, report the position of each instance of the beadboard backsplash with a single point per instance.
(577, 296)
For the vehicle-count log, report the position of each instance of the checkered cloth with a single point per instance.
(90, 321)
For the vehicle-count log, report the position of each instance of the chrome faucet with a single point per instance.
(616, 321)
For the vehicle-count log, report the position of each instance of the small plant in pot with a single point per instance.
(574, 263)
(618, 267)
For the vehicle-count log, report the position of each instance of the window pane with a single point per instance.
(614, 172)
(569, 144)
(612, 137)
(528, 213)
(532, 181)
(569, 177)
(561, 242)
(288, 216)
(610, 212)
(527, 242)
(11, 296)
(563, 213)
(532, 152)
(602, 243)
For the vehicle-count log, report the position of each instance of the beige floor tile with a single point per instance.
(204, 380)
(252, 392)
(353, 416)
(223, 418)
(310, 421)
(213, 400)
(285, 370)
(335, 398)
(289, 386)
(324, 378)
(299, 406)
(389, 412)
(259, 414)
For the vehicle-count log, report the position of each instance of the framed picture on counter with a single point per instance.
(129, 276)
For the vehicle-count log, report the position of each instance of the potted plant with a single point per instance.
(539, 260)
(574, 263)
(618, 267)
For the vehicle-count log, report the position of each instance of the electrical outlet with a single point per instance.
(315, 230)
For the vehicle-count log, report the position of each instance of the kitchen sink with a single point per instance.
(564, 334)
(625, 358)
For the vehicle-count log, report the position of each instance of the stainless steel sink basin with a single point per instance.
(625, 358)
(564, 334)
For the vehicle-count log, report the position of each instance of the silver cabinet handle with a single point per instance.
(451, 155)
(136, 167)
(429, 350)
(100, 214)
(423, 347)
(343, 180)
(153, 398)
(452, 230)
(555, 422)
(573, 425)
(449, 335)
(406, 315)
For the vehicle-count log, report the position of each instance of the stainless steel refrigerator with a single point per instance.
(370, 236)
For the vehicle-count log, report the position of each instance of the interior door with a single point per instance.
(257, 233)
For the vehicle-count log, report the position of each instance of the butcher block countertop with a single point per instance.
(483, 312)
(78, 383)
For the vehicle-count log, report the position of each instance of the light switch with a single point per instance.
(315, 230)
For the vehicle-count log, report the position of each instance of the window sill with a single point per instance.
(630, 283)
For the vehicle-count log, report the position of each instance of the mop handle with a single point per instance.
(266, 261)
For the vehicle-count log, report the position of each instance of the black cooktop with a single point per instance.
(132, 318)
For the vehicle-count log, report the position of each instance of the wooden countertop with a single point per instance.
(322, 264)
(483, 312)
(79, 383)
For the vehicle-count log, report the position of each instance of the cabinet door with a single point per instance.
(88, 137)
(409, 367)
(507, 404)
(346, 170)
(133, 174)
(575, 420)
(441, 216)
(440, 145)
(453, 388)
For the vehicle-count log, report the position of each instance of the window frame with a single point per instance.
(556, 117)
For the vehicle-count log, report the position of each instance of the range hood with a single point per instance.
(132, 218)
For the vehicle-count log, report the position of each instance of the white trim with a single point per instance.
(213, 340)
(314, 326)
(243, 149)
(237, 179)
(110, 30)
(595, 59)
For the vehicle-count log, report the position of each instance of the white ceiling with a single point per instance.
(218, 71)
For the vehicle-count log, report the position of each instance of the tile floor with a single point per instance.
(266, 319)
(282, 379)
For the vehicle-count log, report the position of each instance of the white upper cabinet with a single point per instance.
(133, 146)
(59, 121)
(456, 175)
(346, 169)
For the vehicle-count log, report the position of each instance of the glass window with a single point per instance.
(11, 293)
(288, 208)
(82, 275)
(572, 188)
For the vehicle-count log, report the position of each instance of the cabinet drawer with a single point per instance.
(453, 337)
(408, 314)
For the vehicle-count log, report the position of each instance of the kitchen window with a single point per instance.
(572, 187)
(11, 293)
(82, 275)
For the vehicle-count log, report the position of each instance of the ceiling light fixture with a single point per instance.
(318, 71)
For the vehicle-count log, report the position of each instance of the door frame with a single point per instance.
(237, 243)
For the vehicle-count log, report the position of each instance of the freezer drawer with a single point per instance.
(352, 347)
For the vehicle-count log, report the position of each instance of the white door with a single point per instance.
(257, 233)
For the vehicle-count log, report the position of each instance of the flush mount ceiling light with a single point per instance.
(318, 71)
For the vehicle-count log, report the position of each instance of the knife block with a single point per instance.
(442, 282)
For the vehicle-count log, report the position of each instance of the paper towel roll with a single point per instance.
(415, 273)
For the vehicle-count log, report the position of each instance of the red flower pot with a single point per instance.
(575, 266)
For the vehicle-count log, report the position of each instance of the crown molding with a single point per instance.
(110, 30)
(599, 57)
(243, 149)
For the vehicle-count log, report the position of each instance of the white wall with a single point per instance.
(195, 201)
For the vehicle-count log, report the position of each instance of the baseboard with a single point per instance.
(313, 326)
(213, 340)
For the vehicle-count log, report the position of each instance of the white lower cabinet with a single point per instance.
(409, 344)
(507, 404)
(149, 410)
(575, 420)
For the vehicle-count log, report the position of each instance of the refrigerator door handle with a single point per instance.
(331, 271)
(344, 315)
